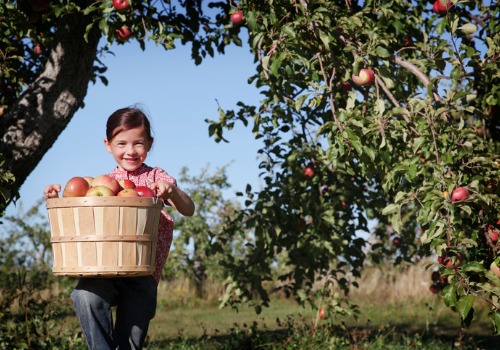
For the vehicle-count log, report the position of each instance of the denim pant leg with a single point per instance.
(92, 301)
(135, 309)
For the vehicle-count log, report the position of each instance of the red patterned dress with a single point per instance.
(145, 176)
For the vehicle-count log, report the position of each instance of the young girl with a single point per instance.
(128, 139)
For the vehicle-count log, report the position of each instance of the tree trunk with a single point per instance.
(44, 110)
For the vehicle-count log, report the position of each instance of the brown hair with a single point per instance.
(125, 119)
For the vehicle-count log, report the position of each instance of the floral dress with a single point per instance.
(145, 176)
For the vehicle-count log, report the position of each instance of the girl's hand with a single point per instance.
(163, 190)
(52, 191)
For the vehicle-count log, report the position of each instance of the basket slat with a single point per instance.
(104, 236)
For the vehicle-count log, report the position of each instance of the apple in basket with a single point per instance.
(126, 183)
(76, 187)
(99, 191)
(145, 191)
(128, 192)
(108, 181)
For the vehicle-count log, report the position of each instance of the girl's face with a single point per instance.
(129, 148)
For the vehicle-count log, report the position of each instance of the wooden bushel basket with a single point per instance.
(104, 236)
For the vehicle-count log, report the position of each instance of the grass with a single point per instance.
(397, 312)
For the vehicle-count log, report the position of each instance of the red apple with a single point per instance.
(396, 241)
(493, 234)
(126, 183)
(450, 260)
(145, 191)
(123, 34)
(39, 5)
(76, 187)
(309, 171)
(435, 276)
(89, 179)
(128, 192)
(345, 86)
(495, 269)
(459, 194)
(121, 5)
(322, 313)
(108, 181)
(99, 191)
(38, 49)
(434, 289)
(441, 7)
(236, 17)
(366, 77)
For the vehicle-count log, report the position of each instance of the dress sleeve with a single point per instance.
(161, 175)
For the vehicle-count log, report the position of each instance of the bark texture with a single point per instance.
(44, 110)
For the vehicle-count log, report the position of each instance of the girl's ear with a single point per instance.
(107, 144)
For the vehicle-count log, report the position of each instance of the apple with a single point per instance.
(434, 289)
(322, 313)
(76, 187)
(495, 269)
(459, 194)
(128, 192)
(108, 181)
(396, 241)
(309, 171)
(89, 179)
(145, 191)
(450, 261)
(441, 8)
(99, 191)
(407, 42)
(39, 5)
(366, 77)
(435, 276)
(123, 34)
(38, 49)
(493, 234)
(345, 86)
(126, 183)
(236, 17)
(121, 5)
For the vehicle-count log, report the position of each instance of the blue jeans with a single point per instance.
(135, 301)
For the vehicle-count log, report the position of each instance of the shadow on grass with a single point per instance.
(396, 337)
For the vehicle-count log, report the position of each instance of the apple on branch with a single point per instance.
(441, 7)
(365, 77)
(459, 194)
(121, 5)
(123, 34)
(76, 187)
(38, 49)
(309, 171)
(236, 17)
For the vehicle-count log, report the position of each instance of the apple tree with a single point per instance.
(372, 112)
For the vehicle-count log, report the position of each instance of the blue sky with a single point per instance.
(179, 96)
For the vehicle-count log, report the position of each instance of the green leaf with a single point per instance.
(450, 295)
(464, 306)
(288, 30)
(495, 317)
(473, 266)
(390, 209)
(382, 52)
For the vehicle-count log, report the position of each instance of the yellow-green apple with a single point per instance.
(145, 191)
(108, 181)
(441, 7)
(495, 269)
(99, 191)
(236, 17)
(76, 187)
(126, 183)
(89, 179)
(128, 192)
(309, 171)
(365, 77)
(121, 5)
(123, 33)
(459, 193)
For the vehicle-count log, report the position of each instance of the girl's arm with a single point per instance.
(175, 197)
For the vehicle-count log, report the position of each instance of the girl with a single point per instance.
(128, 139)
